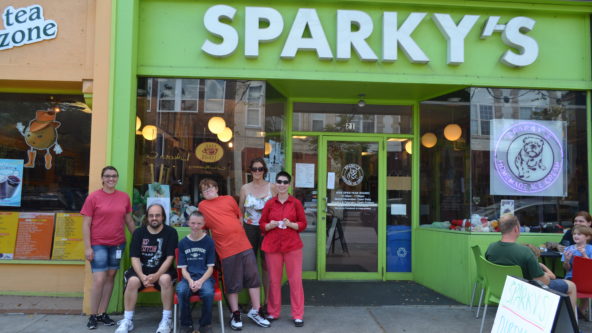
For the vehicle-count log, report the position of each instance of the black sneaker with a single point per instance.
(298, 322)
(92, 322)
(235, 321)
(105, 319)
(263, 311)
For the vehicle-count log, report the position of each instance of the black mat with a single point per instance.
(365, 293)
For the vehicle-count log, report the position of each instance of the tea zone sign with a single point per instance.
(25, 26)
(265, 25)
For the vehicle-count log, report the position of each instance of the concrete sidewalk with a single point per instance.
(397, 318)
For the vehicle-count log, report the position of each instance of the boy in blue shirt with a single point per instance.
(196, 261)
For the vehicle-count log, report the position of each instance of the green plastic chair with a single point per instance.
(495, 278)
(479, 280)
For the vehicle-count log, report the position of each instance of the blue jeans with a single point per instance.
(206, 293)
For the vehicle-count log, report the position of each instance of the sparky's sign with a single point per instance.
(25, 26)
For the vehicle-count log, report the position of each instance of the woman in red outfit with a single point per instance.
(282, 219)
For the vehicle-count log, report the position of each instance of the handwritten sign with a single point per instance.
(67, 240)
(525, 308)
(8, 227)
(33, 240)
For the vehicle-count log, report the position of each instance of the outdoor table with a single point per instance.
(550, 259)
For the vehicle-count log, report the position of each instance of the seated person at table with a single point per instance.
(196, 261)
(581, 235)
(508, 252)
(537, 253)
(581, 218)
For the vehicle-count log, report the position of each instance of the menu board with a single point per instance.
(34, 236)
(8, 227)
(68, 243)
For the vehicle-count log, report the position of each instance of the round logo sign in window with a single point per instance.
(528, 157)
(352, 174)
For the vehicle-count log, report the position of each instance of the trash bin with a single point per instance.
(398, 248)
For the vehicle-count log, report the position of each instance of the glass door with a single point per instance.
(350, 194)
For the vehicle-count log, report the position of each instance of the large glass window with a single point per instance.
(44, 152)
(176, 149)
(526, 154)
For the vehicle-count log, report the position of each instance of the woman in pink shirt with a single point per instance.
(282, 220)
(105, 211)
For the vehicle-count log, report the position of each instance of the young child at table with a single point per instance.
(537, 254)
(581, 235)
(196, 261)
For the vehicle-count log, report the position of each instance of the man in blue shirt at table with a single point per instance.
(507, 252)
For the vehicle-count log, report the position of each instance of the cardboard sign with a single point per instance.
(525, 308)
(8, 227)
(68, 243)
(35, 231)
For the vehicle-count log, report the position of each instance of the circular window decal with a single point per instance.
(528, 157)
(352, 174)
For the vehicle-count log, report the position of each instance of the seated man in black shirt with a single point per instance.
(152, 252)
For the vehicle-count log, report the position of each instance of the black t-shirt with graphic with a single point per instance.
(153, 249)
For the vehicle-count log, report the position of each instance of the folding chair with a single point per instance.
(196, 298)
(582, 271)
(480, 280)
(495, 278)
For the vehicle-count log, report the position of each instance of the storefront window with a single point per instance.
(44, 152)
(318, 117)
(486, 152)
(529, 157)
(211, 129)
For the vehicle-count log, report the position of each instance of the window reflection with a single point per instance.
(526, 153)
(187, 147)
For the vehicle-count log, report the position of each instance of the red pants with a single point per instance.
(275, 264)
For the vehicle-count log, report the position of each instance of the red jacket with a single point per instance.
(282, 240)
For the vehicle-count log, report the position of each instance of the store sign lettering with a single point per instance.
(265, 25)
(25, 26)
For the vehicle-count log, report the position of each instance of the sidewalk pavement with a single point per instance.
(393, 318)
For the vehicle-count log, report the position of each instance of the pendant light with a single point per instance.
(452, 132)
(216, 125)
(429, 140)
(225, 135)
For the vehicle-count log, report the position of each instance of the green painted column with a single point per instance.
(122, 106)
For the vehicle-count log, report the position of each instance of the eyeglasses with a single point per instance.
(259, 169)
(285, 182)
(208, 189)
(110, 176)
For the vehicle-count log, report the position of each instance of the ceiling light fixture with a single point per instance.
(362, 102)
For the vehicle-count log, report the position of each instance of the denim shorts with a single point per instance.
(105, 257)
(559, 285)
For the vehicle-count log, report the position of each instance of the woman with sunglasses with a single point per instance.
(253, 197)
(106, 212)
(282, 220)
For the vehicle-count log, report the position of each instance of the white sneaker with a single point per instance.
(124, 326)
(235, 321)
(257, 319)
(164, 326)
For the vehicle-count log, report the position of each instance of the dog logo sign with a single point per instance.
(528, 157)
(352, 174)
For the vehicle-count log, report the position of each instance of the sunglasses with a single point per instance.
(285, 182)
(259, 169)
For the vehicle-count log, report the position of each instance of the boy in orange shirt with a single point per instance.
(239, 265)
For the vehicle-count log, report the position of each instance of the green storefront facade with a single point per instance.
(337, 93)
